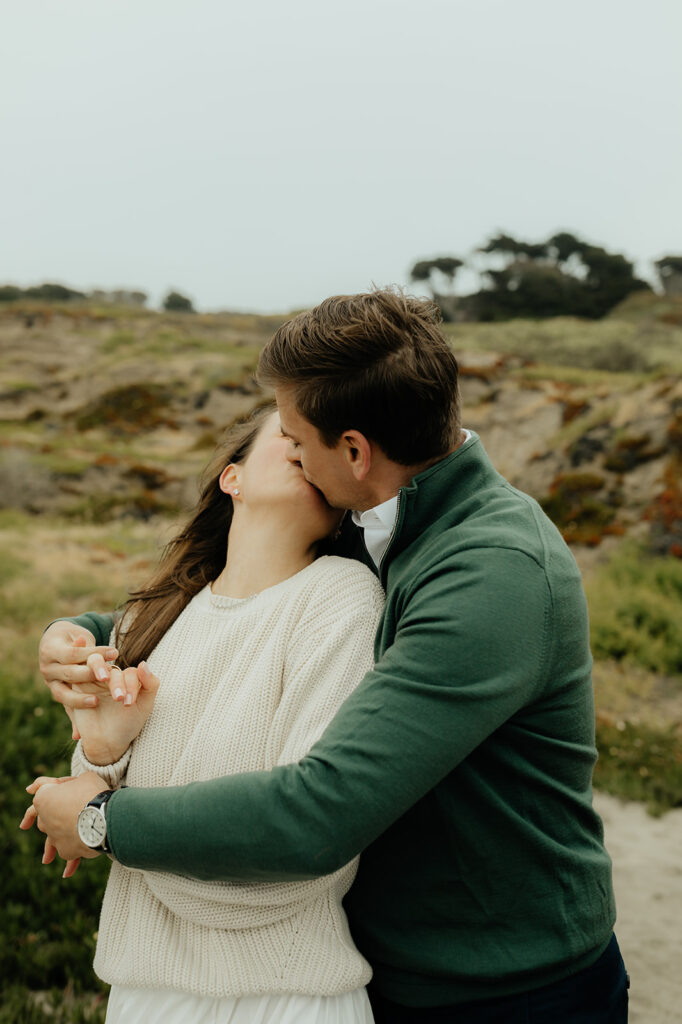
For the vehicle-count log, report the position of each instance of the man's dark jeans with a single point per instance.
(595, 995)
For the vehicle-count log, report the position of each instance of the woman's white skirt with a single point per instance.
(166, 1006)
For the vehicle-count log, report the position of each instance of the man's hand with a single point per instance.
(55, 809)
(68, 654)
(50, 851)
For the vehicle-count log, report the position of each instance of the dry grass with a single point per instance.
(642, 336)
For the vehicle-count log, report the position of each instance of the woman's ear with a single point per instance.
(228, 481)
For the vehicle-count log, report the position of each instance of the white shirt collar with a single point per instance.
(379, 522)
(381, 517)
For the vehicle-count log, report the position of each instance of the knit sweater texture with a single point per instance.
(245, 685)
(461, 766)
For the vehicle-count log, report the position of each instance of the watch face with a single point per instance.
(91, 826)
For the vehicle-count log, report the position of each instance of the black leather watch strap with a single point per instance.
(101, 798)
(99, 801)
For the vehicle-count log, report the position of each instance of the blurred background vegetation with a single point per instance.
(561, 276)
(109, 411)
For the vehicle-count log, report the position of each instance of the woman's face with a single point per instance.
(267, 478)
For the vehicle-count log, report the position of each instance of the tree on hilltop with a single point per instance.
(175, 302)
(563, 276)
(120, 297)
(445, 269)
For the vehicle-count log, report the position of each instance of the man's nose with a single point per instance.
(293, 455)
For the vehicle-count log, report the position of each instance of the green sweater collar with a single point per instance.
(444, 487)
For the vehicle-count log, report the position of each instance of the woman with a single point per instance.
(254, 655)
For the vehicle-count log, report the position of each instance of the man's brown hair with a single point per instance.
(375, 362)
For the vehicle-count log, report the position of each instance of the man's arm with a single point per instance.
(99, 625)
(469, 653)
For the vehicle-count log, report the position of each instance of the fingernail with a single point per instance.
(143, 664)
(91, 702)
(102, 675)
(44, 858)
(128, 700)
(64, 874)
(118, 692)
(111, 654)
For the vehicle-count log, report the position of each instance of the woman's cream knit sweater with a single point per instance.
(245, 685)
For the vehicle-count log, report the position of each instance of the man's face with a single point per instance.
(323, 467)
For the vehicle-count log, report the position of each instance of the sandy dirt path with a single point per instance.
(647, 868)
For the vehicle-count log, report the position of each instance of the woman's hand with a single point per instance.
(125, 703)
(55, 808)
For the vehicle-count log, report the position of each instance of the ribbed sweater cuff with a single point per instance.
(112, 774)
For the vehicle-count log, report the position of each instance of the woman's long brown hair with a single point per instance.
(195, 557)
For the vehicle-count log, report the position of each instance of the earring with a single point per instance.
(236, 490)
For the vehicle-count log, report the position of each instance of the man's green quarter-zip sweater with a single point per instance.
(460, 767)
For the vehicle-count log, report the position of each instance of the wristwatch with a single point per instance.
(92, 822)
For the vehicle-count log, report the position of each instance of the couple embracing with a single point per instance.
(342, 761)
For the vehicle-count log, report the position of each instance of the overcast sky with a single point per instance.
(264, 154)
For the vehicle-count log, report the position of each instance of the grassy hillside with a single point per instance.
(643, 335)
(106, 419)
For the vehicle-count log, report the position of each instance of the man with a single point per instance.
(461, 766)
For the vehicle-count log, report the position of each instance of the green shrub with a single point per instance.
(574, 505)
(635, 605)
(47, 937)
(46, 292)
(177, 302)
(637, 762)
(21, 1006)
(128, 409)
(52, 292)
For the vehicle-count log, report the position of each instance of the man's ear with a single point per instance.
(358, 453)
(228, 481)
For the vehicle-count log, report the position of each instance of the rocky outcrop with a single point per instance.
(600, 456)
